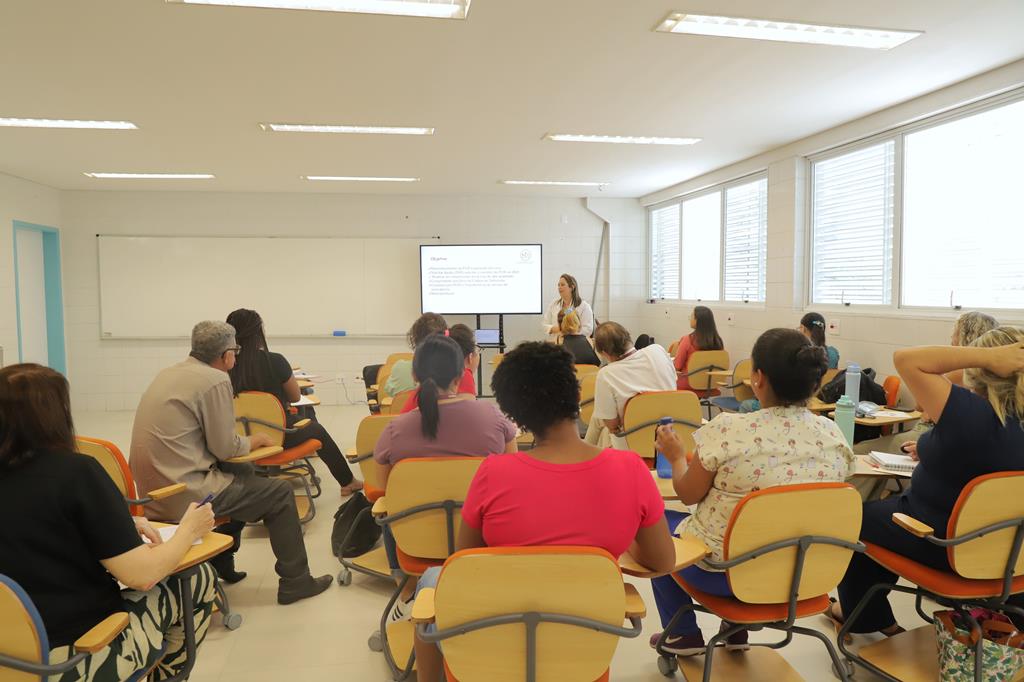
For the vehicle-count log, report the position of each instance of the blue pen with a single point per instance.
(207, 500)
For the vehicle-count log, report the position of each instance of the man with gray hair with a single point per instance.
(184, 432)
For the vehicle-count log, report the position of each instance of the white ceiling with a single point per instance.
(197, 80)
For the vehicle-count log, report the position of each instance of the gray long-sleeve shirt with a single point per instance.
(184, 426)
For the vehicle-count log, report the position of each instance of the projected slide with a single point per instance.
(481, 279)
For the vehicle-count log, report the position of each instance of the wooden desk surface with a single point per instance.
(863, 467)
(720, 373)
(883, 421)
(212, 545)
(689, 550)
(815, 405)
(306, 400)
(664, 486)
(304, 383)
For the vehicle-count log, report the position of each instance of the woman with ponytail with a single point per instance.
(812, 325)
(782, 444)
(977, 431)
(257, 369)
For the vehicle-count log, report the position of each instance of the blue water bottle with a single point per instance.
(845, 409)
(661, 462)
(853, 382)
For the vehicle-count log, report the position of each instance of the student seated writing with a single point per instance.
(445, 423)
(68, 538)
(628, 372)
(977, 431)
(258, 369)
(564, 491)
(703, 337)
(784, 443)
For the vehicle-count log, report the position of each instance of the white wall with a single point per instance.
(31, 203)
(111, 375)
(867, 338)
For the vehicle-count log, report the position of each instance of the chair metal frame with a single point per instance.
(998, 603)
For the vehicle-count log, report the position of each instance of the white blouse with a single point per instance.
(584, 312)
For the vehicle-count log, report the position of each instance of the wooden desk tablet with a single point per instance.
(689, 550)
(212, 544)
(258, 453)
(304, 383)
(306, 401)
(864, 467)
(883, 421)
(668, 492)
(720, 373)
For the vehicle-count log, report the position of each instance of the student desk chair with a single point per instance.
(375, 393)
(643, 412)
(25, 649)
(588, 384)
(421, 509)
(698, 373)
(785, 549)
(374, 562)
(983, 542)
(258, 412)
(739, 382)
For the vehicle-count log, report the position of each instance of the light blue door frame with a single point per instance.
(54, 293)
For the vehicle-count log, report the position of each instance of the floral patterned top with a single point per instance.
(748, 452)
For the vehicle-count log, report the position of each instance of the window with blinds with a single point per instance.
(963, 235)
(746, 241)
(702, 247)
(852, 197)
(665, 252)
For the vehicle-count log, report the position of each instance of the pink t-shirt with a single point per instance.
(517, 501)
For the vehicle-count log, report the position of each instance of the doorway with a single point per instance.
(38, 295)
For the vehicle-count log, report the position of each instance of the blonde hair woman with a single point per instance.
(977, 431)
(574, 342)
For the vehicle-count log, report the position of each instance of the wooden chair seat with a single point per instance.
(372, 493)
(736, 611)
(414, 565)
(301, 451)
(943, 583)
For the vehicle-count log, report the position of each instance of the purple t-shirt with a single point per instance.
(469, 428)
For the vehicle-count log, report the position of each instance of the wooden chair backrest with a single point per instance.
(398, 401)
(702, 381)
(742, 371)
(588, 383)
(367, 435)
(986, 500)
(422, 480)
(584, 370)
(791, 511)
(112, 460)
(891, 386)
(484, 582)
(830, 374)
(385, 372)
(262, 406)
(645, 407)
(395, 357)
(672, 348)
(22, 633)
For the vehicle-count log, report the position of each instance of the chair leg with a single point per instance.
(837, 661)
(398, 674)
(709, 650)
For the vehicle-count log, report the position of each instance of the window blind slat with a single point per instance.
(665, 252)
(746, 241)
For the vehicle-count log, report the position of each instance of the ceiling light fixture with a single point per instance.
(556, 183)
(66, 123)
(784, 31)
(622, 139)
(354, 178)
(438, 9)
(151, 176)
(355, 130)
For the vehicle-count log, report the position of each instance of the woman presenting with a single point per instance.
(568, 301)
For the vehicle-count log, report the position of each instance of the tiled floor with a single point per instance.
(324, 639)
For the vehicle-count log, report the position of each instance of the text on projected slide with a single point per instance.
(482, 278)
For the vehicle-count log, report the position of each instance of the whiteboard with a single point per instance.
(160, 287)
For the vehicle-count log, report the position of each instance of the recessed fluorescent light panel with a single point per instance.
(344, 129)
(151, 176)
(64, 123)
(353, 178)
(622, 139)
(784, 31)
(438, 9)
(555, 183)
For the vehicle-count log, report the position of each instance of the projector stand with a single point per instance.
(500, 347)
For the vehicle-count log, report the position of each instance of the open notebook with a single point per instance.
(904, 463)
(167, 532)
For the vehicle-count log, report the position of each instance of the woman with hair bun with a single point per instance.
(782, 444)
(812, 325)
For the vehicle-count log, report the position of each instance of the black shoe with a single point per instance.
(291, 591)
(737, 641)
(224, 564)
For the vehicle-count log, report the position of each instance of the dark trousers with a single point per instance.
(250, 498)
(330, 453)
(863, 572)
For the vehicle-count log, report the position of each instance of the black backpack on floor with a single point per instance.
(354, 533)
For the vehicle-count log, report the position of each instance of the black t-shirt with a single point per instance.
(62, 515)
(581, 349)
(968, 441)
(272, 371)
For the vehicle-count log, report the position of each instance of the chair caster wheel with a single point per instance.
(376, 642)
(344, 577)
(233, 621)
(667, 665)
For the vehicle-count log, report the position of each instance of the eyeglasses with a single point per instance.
(236, 349)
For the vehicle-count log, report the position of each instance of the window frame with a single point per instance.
(898, 136)
(721, 188)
